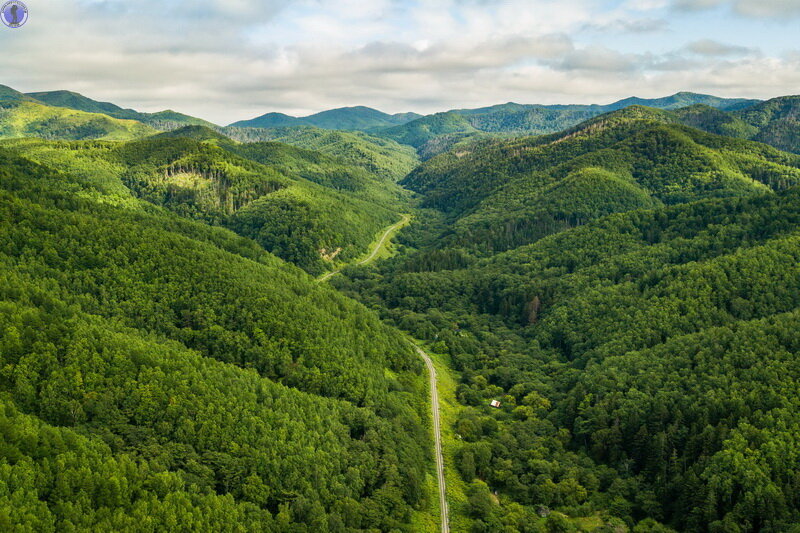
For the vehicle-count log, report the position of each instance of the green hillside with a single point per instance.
(715, 121)
(357, 118)
(73, 100)
(325, 170)
(162, 120)
(535, 119)
(377, 155)
(170, 120)
(508, 193)
(646, 363)
(27, 118)
(777, 122)
(7, 94)
(199, 133)
(421, 131)
(290, 216)
(330, 171)
(158, 371)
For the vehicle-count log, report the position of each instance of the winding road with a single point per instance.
(375, 250)
(437, 436)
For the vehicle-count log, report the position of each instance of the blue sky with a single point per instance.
(231, 59)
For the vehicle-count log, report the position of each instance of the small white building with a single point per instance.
(494, 403)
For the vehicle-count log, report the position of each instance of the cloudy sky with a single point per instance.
(226, 60)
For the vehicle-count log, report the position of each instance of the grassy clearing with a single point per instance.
(383, 246)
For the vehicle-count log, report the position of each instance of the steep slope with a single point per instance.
(357, 118)
(162, 120)
(325, 170)
(500, 194)
(715, 121)
(199, 133)
(7, 94)
(377, 155)
(774, 122)
(170, 120)
(421, 131)
(28, 118)
(329, 171)
(645, 364)
(290, 216)
(517, 119)
(777, 122)
(685, 99)
(158, 371)
(79, 102)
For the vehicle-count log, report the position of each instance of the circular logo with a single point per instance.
(14, 14)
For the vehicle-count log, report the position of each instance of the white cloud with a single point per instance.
(709, 47)
(629, 25)
(597, 59)
(227, 60)
(748, 8)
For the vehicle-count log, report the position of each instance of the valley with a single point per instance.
(516, 318)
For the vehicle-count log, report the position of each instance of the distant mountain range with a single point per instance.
(72, 116)
(511, 192)
(616, 290)
(371, 120)
(535, 119)
(161, 120)
(358, 118)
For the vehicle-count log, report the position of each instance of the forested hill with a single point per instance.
(507, 193)
(357, 118)
(28, 118)
(628, 290)
(161, 120)
(775, 122)
(518, 119)
(647, 365)
(158, 371)
(377, 155)
(287, 213)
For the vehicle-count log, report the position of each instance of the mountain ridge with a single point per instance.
(359, 118)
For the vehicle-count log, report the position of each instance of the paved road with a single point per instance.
(437, 435)
(375, 250)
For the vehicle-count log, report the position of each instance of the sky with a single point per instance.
(227, 60)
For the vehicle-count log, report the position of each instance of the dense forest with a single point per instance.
(505, 193)
(639, 332)
(622, 279)
(295, 215)
(425, 133)
(379, 155)
(158, 371)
